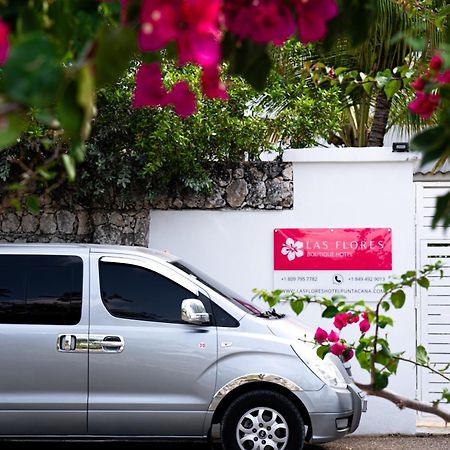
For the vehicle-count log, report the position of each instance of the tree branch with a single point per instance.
(404, 402)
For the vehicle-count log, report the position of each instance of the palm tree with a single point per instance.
(374, 91)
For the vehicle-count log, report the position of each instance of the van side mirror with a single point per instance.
(193, 311)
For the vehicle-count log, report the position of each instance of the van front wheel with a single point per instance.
(262, 420)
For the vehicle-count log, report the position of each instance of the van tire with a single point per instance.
(242, 431)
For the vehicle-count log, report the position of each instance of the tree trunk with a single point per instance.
(380, 120)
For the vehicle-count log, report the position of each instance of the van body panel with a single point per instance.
(43, 390)
(165, 370)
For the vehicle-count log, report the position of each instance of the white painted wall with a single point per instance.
(333, 188)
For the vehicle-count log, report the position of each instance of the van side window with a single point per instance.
(222, 318)
(40, 289)
(132, 292)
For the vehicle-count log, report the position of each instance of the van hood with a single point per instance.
(291, 328)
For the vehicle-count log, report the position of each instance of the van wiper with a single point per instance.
(271, 313)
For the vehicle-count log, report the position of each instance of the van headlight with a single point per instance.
(325, 369)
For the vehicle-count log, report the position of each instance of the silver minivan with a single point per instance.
(125, 342)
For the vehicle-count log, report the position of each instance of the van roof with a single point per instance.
(97, 248)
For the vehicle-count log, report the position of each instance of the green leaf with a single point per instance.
(86, 98)
(322, 351)
(386, 306)
(422, 356)
(382, 78)
(70, 113)
(409, 274)
(398, 298)
(367, 86)
(45, 173)
(432, 143)
(424, 282)
(337, 298)
(78, 152)
(387, 286)
(33, 73)
(115, 49)
(330, 312)
(381, 380)
(442, 211)
(11, 127)
(297, 306)
(392, 87)
(33, 203)
(70, 166)
(363, 358)
(15, 203)
(446, 395)
(383, 321)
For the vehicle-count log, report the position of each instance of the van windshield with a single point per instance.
(221, 289)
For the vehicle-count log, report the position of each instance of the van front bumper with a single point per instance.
(326, 427)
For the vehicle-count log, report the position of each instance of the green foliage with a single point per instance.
(372, 351)
(297, 113)
(162, 153)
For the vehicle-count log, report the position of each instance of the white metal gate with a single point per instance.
(433, 305)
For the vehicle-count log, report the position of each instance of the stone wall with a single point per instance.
(262, 185)
(254, 185)
(65, 221)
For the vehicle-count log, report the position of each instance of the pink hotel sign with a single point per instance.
(333, 249)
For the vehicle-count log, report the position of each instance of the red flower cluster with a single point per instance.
(150, 91)
(276, 20)
(4, 42)
(195, 26)
(427, 99)
(338, 346)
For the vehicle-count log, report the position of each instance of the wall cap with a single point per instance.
(347, 154)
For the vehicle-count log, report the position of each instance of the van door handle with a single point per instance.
(106, 344)
(72, 343)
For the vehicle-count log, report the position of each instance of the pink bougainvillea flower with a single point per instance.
(193, 24)
(425, 104)
(260, 20)
(183, 99)
(348, 354)
(418, 84)
(149, 89)
(353, 319)
(341, 321)
(444, 77)
(364, 326)
(321, 335)
(436, 62)
(159, 24)
(338, 349)
(199, 37)
(211, 84)
(4, 42)
(313, 16)
(333, 336)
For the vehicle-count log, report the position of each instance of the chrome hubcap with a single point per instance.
(262, 429)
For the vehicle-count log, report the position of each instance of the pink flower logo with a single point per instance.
(292, 249)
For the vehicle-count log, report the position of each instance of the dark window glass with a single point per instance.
(40, 289)
(132, 292)
(218, 287)
(222, 318)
